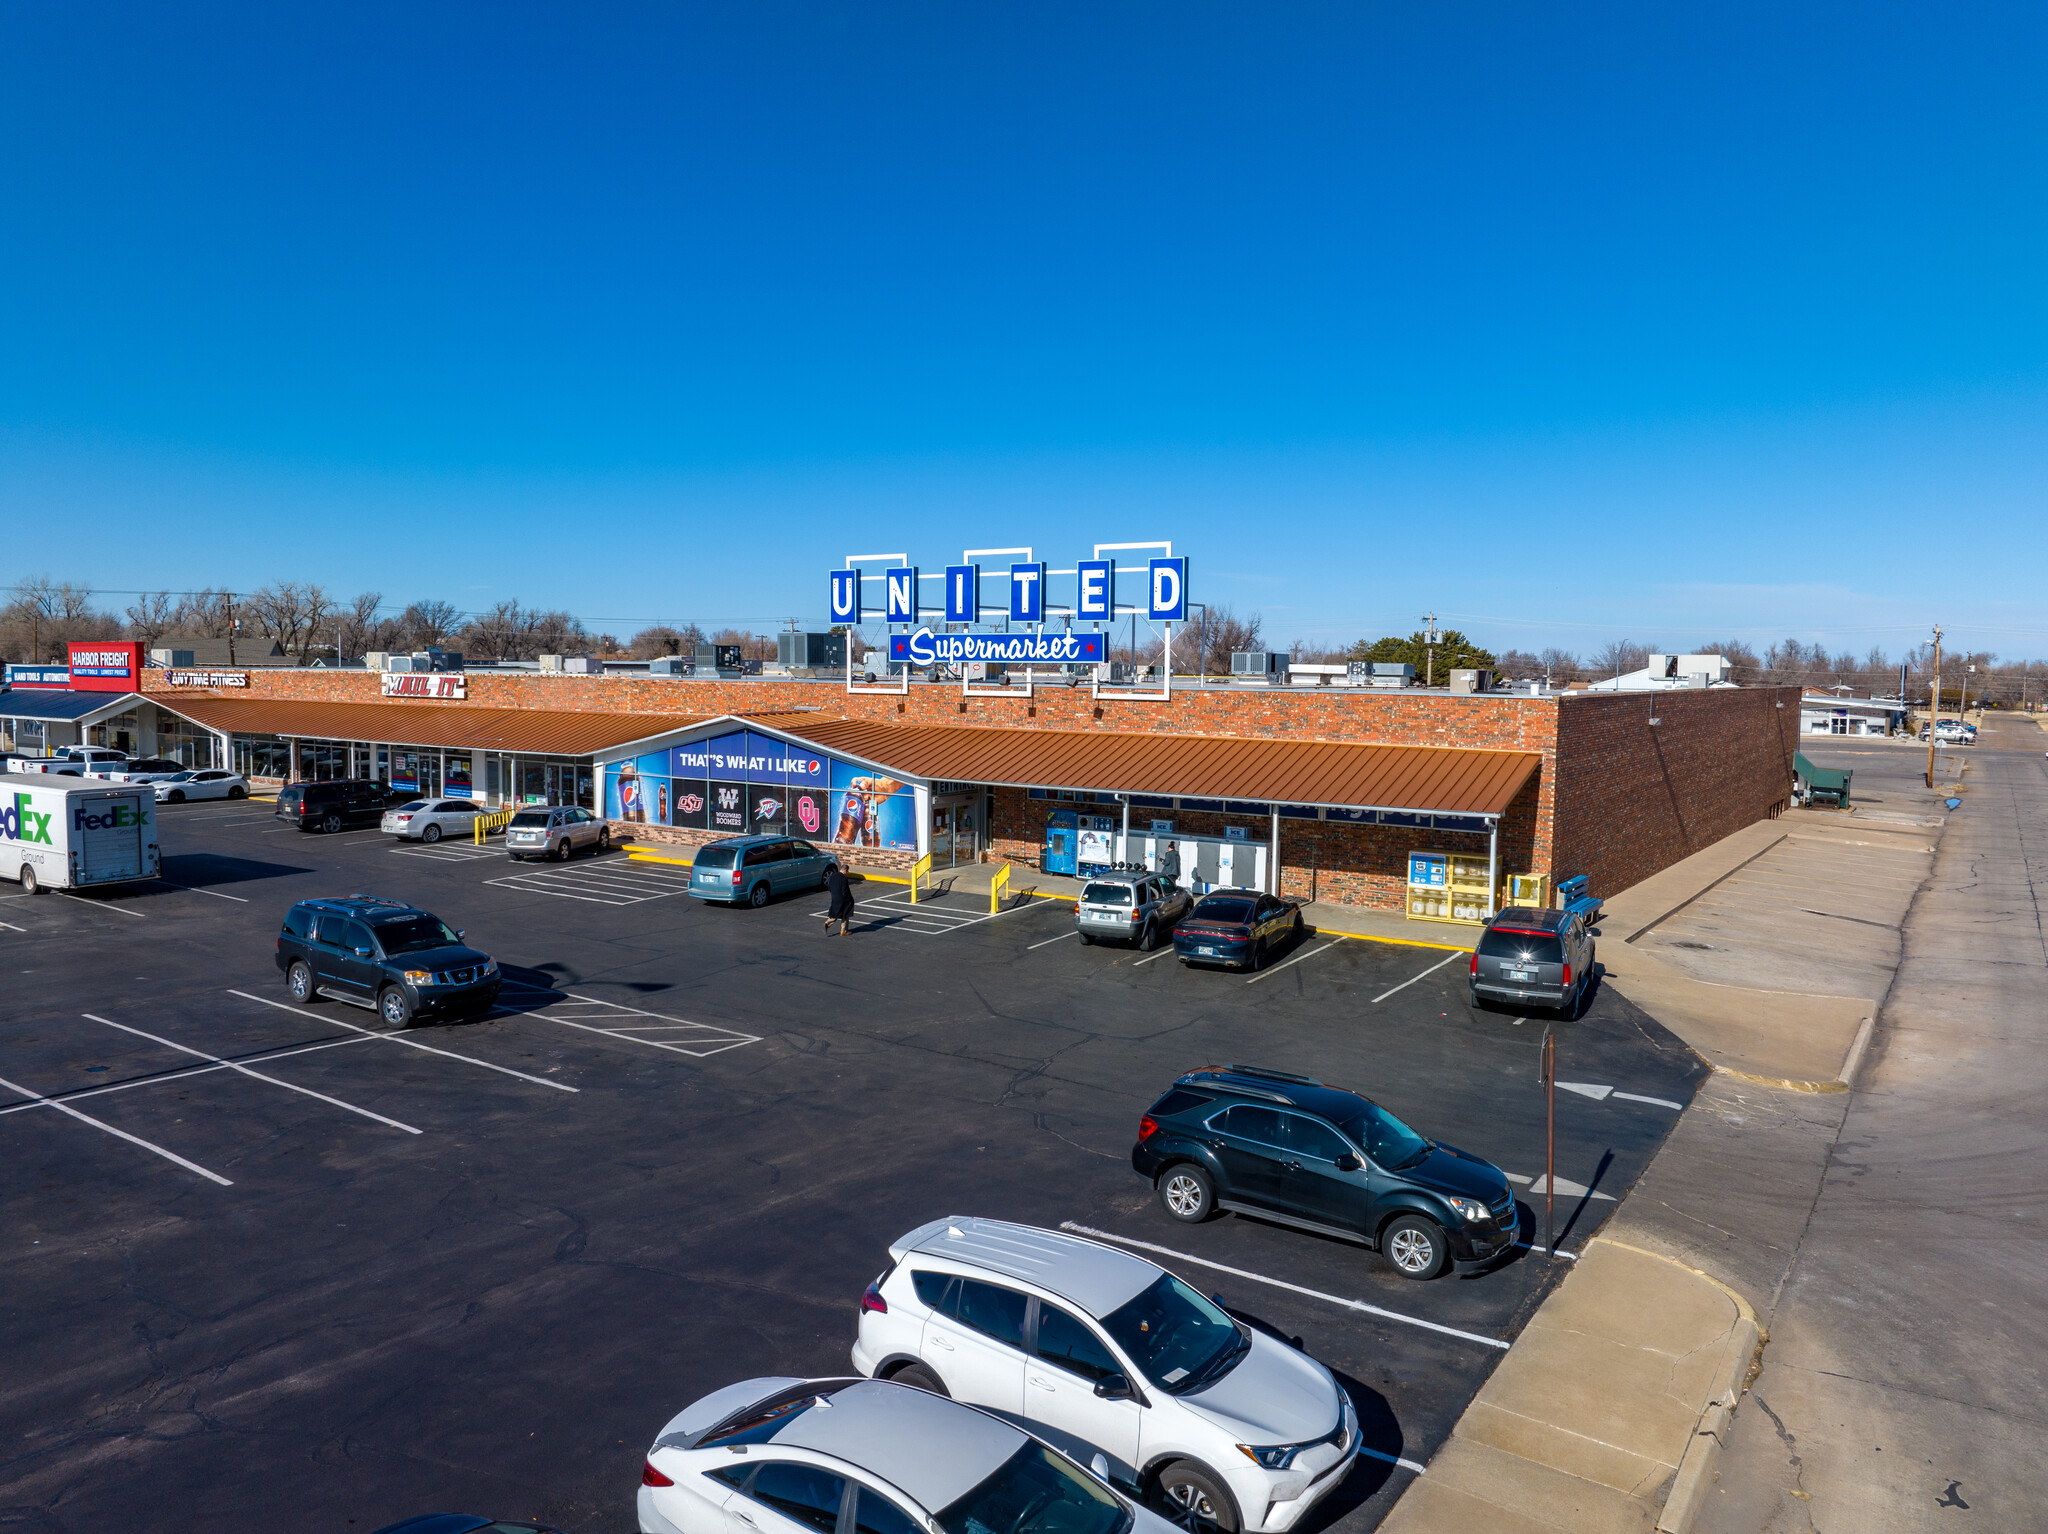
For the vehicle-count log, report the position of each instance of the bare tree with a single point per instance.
(752, 646)
(555, 633)
(293, 614)
(500, 632)
(1744, 667)
(151, 616)
(1559, 665)
(1518, 665)
(663, 640)
(355, 629)
(209, 614)
(44, 616)
(426, 624)
(1620, 656)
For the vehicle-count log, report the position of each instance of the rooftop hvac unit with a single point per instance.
(1257, 663)
(398, 663)
(581, 665)
(551, 663)
(817, 651)
(1478, 679)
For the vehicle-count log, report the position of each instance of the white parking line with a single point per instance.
(1333, 942)
(1655, 1102)
(1165, 953)
(98, 906)
(258, 1075)
(1051, 940)
(1460, 954)
(41, 1101)
(727, 1038)
(540, 1081)
(217, 895)
(1277, 1283)
(185, 1073)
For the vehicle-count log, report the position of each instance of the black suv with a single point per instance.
(330, 806)
(1290, 1149)
(1528, 956)
(393, 958)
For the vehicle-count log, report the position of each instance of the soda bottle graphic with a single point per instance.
(852, 815)
(661, 802)
(632, 803)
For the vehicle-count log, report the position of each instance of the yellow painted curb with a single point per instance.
(1401, 942)
(650, 857)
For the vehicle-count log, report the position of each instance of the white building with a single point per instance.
(1666, 671)
(1822, 713)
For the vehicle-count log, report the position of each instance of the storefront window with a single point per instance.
(323, 761)
(456, 779)
(22, 735)
(118, 732)
(180, 740)
(262, 756)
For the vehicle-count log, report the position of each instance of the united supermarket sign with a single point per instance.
(924, 648)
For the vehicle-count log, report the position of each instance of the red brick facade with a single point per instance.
(1615, 798)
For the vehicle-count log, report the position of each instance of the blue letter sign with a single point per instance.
(1027, 593)
(1169, 591)
(963, 593)
(901, 586)
(846, 596)
(1095, 589)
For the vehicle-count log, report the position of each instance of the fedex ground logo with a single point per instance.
(19, 821)
(112, 817)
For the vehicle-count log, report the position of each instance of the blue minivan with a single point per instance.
(756, 868)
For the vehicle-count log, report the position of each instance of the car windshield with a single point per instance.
(1037, 1492)
(415, 934)
(1224, 911)
(1180, 1341)
(1107, 894)
(1390, 1143)
(714, 857)
(179, 777)
(530, 818)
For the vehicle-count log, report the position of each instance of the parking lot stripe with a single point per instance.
(1164, 953)
(1333, 942)
(98, 906)
(725, 1038)
(217, 895)
(1383, 995)
(1655, 1102)
(396, 1038)
(182, 1073)
(119, 1134)
(1390, 1459)
(1051, 940)
(258, 1075)
(1281, 1283)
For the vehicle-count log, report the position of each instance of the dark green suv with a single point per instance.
(1288, 1148)
(396, 960)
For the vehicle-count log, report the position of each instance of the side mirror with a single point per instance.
(462, 932)
(1348, 1163)
(1113, 1387)
(364, 953)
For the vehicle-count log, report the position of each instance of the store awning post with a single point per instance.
(1273, 856)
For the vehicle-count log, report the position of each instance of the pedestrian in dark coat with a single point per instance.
(841, 908)
(1169, 862)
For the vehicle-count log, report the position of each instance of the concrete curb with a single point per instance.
(1851, 1063)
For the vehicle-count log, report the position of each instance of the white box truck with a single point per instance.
(74, 833)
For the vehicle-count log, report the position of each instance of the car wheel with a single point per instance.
(825, 873)
(1258, 959)
(431, 834)
(176, 796)
(1187, 1194)
(1415, 1246)
(236, 791)
(1190, 1496)
(1479, 1003)
(29, 883)
(299, 981)
(393, 1007)
(757, 896)
(918, 1377)
(331, 824)
(1149, 938)
(1087, 941)
(604, 839)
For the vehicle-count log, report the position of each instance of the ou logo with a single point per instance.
(807, 813)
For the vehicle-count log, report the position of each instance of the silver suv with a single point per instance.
(1130, 905)
(540, 833)
(1527, 955)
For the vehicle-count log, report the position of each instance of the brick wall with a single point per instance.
(1634, 798)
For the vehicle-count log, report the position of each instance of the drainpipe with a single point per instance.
(1124, 848)
(1273, 856)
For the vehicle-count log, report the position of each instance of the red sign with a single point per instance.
(424, 684)
(106, 665)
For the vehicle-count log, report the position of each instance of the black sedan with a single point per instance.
(1238, 928)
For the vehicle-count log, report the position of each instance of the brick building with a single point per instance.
(1597, 784)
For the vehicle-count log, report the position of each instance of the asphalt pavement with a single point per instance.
(267, 1265)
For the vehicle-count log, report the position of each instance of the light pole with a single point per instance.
(1429, 654)
(1934, 708)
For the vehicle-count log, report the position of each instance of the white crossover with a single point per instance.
(1220, 1426)
(794, 1456)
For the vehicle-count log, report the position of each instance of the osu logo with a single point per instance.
(689, 804)
(19, 823)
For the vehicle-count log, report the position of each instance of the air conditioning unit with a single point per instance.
(820, 652)
(551, 663)
(1257, 663)
(398, 663)
(1392, 674)
(1478, 679)
(582, 665)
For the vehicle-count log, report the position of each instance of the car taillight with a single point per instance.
(1475, 964)
(649, 1476)
(1148, 1126)
(735, 876)
(1137, 916)
(1567, 977)
(871, 1299)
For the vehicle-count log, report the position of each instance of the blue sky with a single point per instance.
(1621, 323)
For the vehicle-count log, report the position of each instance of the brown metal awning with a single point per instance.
(1340, 774)
(538, 732)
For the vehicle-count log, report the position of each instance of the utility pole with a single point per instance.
(229, 598)
(1429, 654)
(1934, 708)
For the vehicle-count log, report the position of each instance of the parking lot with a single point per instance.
(267, 1264)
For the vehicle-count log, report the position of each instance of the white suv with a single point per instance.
(1218, 1425)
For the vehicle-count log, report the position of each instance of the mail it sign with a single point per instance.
(424, 684)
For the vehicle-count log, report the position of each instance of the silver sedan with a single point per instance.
(428, 820)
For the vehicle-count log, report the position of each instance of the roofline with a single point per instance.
(790, 737)
(120, 701)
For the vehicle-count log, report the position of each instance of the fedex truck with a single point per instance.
(74, 833)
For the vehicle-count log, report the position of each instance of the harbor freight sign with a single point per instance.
(924, 648)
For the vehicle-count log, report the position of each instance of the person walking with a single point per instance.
(841, 908)
(1169, 862)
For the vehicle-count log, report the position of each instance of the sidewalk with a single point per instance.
(1607, 1414)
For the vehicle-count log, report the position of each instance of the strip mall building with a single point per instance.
(1323, 792)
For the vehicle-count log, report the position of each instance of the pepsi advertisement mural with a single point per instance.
(745, 783)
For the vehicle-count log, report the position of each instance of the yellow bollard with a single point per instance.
(996, 886)
(922, 866)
